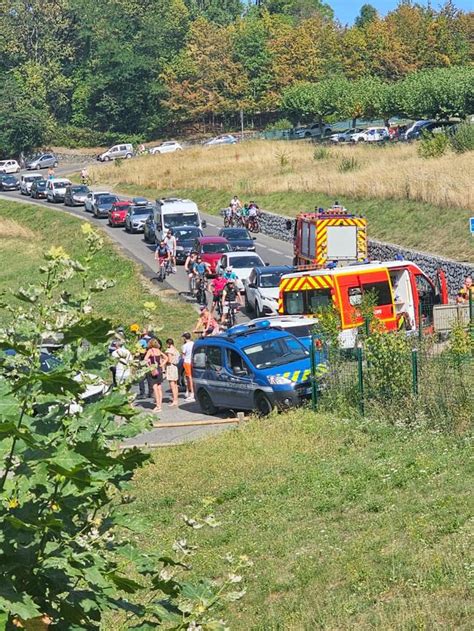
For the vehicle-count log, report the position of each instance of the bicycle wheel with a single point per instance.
(226, 222)
(161, 273)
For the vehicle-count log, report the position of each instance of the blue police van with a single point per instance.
(251, 369)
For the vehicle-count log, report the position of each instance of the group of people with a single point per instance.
(154, 364)
(223, 287)
(237, 212)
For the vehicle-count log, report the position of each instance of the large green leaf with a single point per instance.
(125, 584)
(94, 330)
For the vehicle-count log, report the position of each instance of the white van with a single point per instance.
(117, 151)
(56, 189)
(173, 213)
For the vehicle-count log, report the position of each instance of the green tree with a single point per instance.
(299, 9)
(316, 101)
(367, 14)
(439, 93)
(219, 11)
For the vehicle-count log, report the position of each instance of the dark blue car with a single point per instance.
(239, 239)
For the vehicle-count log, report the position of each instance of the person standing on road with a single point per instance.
(170, 241)
(155, 359)
(84, 175)
(187, 351)
(50, 173)
(172, 371)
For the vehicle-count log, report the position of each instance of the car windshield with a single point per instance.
(246, 261)
(40, 184)
(215, 248)
(181, 219)
(60, 184)
(276, 352)
(79, 189)
(107, 199)
(306, 301)
(270, 280)
(141, 210)
(236, 234)
(186, 235)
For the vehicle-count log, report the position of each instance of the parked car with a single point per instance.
(9, 182)
(313, 131)
(27, 180)
(38, 189)
(224, 139)
(211, 249)
(242, 264)
(140, 201)
(345, 135)
(56, 189)
(166, 147)
(299, 326)
(251, 369)
(239, 238)
(76, 195)
(371, 134)
(42, 161)
(117, 151)
(118, 212)
(9, 166)
(103, 204)
(420, 127)
(262, 289)
(136, 217)
(185, 238)
(90, 199)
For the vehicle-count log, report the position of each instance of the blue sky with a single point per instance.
(347, 10)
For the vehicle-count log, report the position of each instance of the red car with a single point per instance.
(211, 250)
(118, 212)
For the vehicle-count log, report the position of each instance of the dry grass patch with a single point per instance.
(262, 167)
(10, 229)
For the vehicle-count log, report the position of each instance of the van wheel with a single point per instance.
(128, 156)
(205, 403)
(263, 405)
(106, 159)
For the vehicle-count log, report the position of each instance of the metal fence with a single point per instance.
(403, 379)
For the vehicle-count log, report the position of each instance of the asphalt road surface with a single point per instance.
(271, 250)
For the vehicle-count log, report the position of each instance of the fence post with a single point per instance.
(471, 312)
(420, 322)
(360, 375)
(414, 370)
(314, 384)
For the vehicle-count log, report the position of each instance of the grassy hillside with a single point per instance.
(26, 232)
(409, 201)
(349, 526)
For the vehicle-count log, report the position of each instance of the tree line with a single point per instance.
(85, 71)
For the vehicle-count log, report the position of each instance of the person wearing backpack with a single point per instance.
(155, 359)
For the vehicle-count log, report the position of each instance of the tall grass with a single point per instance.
(392, 172)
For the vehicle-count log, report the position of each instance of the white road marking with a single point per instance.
(276, 251)
(288, 257)
(261, 245)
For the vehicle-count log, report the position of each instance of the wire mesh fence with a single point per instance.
(409, 380)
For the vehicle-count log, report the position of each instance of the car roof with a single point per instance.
(242, 338)
(212, 239)
(233, 230)
(123, 202)
(285, 321)
(271, 269)
(235, 255)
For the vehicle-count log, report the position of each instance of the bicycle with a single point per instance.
(165, 269)
(232, 308)
(229, 221)
(201, 290)
(253, 225)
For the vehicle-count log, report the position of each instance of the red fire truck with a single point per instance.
(329, 236)
(403, 293)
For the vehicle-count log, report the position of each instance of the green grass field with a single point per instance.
(442, 231)
(27, 231)
(350, 526)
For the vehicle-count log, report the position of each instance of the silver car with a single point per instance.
(26, 181)
(117, 151)
(42, 161)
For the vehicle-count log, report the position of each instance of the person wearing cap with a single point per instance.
(170, 242)
(186, 353)
(229, 274)
(206, 324)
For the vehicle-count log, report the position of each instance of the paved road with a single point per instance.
(271, 250)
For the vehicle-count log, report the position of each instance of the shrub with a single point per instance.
(321, 153)
(348, 164)
(433, 145)
(463, 138)
(279, 125)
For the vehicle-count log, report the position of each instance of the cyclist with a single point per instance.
(244, 213)
(189, 268)
(162, 254)
(170, 241)
(228, 216)
(229, 274)
(217, 287)
(206, 324)
(230, 296)
(235, 204)
(84, 175)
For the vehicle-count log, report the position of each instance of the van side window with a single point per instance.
(381, 290)
(235, 363)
